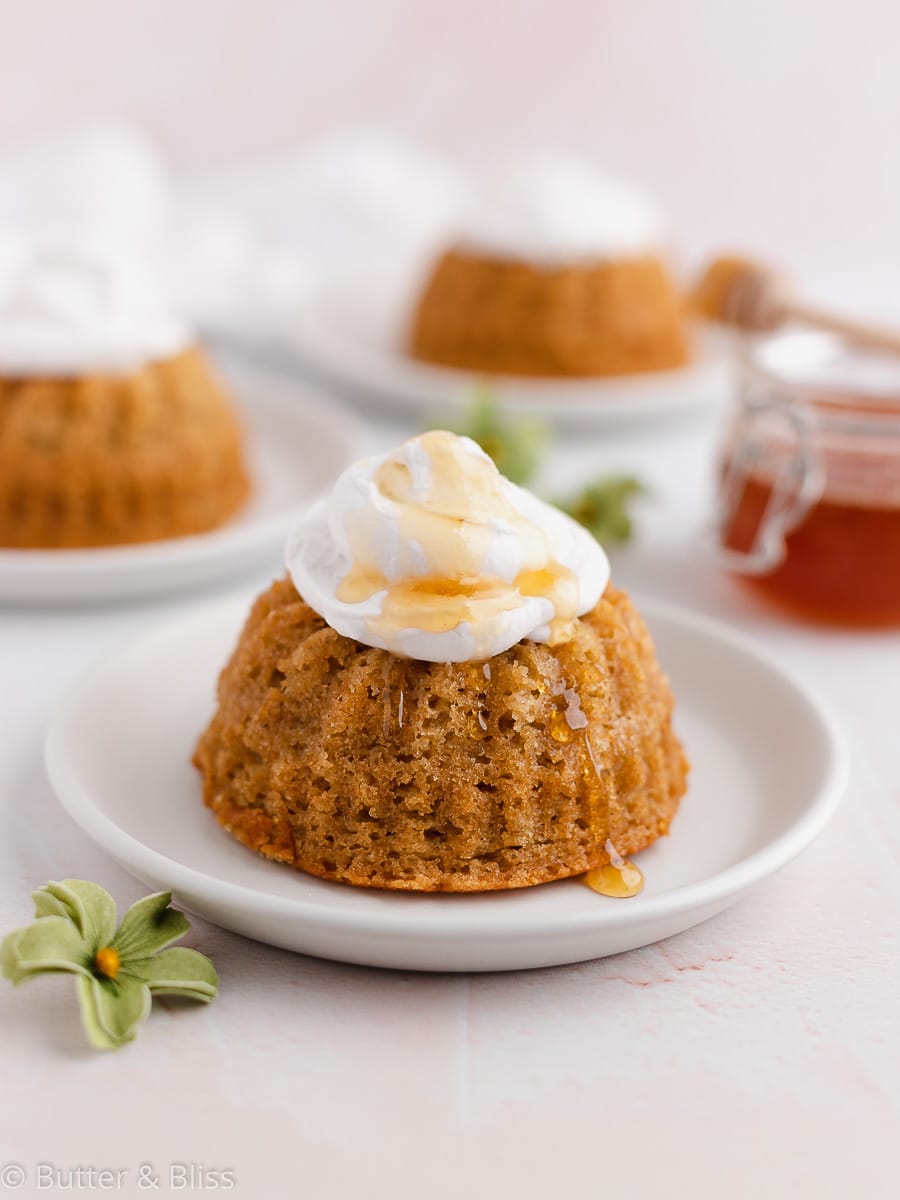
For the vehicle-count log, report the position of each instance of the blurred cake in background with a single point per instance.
(113, 428)
(557, 270)
(102, 178)
(246, 248)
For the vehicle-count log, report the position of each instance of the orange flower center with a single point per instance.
(106, 961)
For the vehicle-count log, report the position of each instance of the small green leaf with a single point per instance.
(149, 925)
(178, 972)
(50, 944)
(90, 906)
(112, 1009)
(516, 443)
(602, 507)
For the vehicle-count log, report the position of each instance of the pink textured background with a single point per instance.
(773, 124)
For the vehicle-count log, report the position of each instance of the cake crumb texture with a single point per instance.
(356, 765)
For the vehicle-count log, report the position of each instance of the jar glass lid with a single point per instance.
(829, 369)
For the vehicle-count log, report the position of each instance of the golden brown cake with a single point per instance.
(358, 765)
(100, 459)
(516, 317)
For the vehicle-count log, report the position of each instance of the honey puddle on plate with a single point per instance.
(619, 877)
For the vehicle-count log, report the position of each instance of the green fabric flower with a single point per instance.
(117, 970)
(515, 443)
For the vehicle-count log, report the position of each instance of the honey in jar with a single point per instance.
(809, 508)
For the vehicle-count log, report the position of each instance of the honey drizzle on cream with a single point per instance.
(437, 604)
(453, 523)
(360, 582)
(559, 584)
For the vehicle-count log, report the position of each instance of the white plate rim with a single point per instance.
(399, 383)
(720, 886)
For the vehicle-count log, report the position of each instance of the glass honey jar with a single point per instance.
(809, 483)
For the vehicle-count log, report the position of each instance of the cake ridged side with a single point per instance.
(352, 764)
(610, 318)
(102, 460)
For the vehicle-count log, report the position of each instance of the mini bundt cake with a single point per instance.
(356, 765)
(494, 719)
(103, 459)
(113, 426)
(557, 272)
(518, 318)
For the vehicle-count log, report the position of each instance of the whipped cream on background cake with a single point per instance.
(554, 209)
(430, 553)
(80, 305)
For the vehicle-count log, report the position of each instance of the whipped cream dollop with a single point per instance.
(554, 209)
(72, 305)
(430, 553)
(103, 178)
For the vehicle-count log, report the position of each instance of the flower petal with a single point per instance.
(90, 906)
(50, 944)
(178, 972)
(48, 905)
(111, 1010)
(148, 926)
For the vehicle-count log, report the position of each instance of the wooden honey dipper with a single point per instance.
(756, 298)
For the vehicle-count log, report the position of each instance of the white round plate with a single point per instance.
(768, 770)
(353, 334)
(297, 443)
